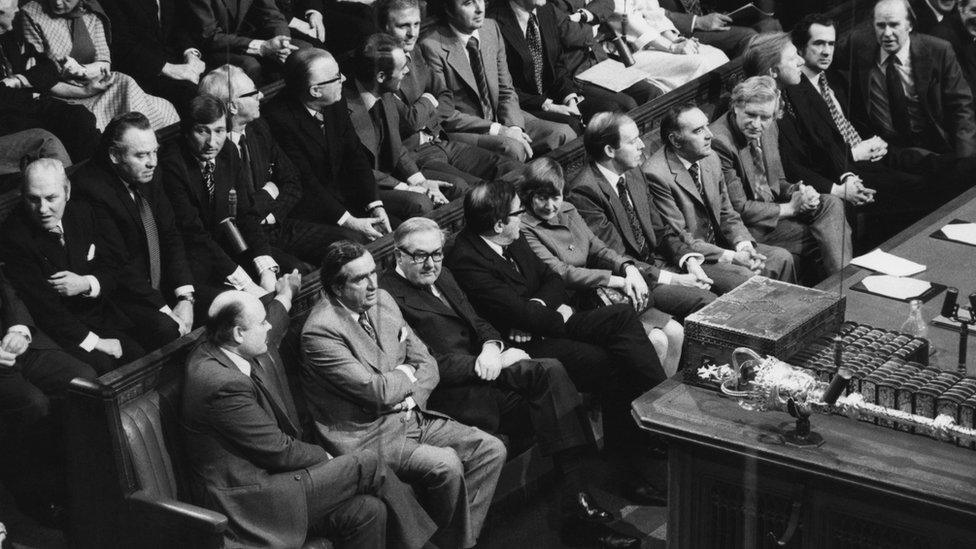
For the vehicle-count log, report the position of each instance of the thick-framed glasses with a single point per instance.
(419, 258)
(250, 93)
(516, 212)
(329, 81)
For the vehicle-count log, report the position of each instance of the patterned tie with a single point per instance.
(897, 101)
(367, 327)
(534, 39)
(246, 162)
(284, 421)
(58, 233)
(709, 227)
(208, 177)
(474, 55)
(624, 192)
(152, 235)
(843, 124)
(507, 254)
(765, 193)
(693, 170)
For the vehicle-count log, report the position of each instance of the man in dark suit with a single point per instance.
(246, 452)
(267, 174)
(422, 107)
(21, 108)
(604, 350)
(793, 216)
(203, 182)
(611, 194)
(908, 87)
(67, 278)
(127, 195)
(715, 28)
(689, 190)
(467, 51)
(367, 379)
(313, 127)
(152, 44)
(930, 13)
(959, 29)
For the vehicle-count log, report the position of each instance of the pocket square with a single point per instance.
(402, 336)
(91, 252)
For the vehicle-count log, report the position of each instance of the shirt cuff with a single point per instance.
(546, 105)
(694, 19)
(410, 402)
(166, 310)
(22, 330)
(265, 263)
(271, 189)
(269, 220)
(665, 277)
(416, 179)
(89, 342)
(309, 13)
(727, 256)
(254, 47)
(95, 289)
(239, 279)
(430, 97)
(183, 290)
(401, 186)
(684, 259)
(407, 369)
(342, 220)
(588, 15)
(495, 128)
(536, 299)
(645, 39)
(374, 204)
(192, 51)
(845, 175)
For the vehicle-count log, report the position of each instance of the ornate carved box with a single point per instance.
(768, 316)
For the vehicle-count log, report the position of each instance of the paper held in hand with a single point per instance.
(896, 287)
(748, 15)
(612, 75)
(302, 27)
(883, 262)
(961, 232)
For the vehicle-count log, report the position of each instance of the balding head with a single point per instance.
(235, 88)
(312, 75)
(8, 10)
(45, 191)
(236, 322)
(893, 21)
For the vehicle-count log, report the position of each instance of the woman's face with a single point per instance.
(61, 7)
(546, 208)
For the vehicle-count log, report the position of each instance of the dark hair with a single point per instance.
(669, 122)
(383, 8)
(203, 109)
(543, 178)
(374, 57)
(116, 128)
(486, 204)
(337, 255)
(220, 326)
(801, 31)
(296, 69)
(602, 130)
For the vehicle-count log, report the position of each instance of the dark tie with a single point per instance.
(763, 191)
(367, 327)
(208, 177)
(320, 119)
(897, 100)
(152, 235)
(284, 422)
(57, 233)
(711, 226)
(440, 297)
(507, 254)
(624, 192)
(246, 162)
(843, 124)
(378, 114)
(474, 55)
(82, 47)
(693, 170)
(534, 39)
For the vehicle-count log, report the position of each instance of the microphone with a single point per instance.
(232, 204)
(949, 303)
(837, 386)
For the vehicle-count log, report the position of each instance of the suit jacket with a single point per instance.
(954, 32)
(605, 215)
(116, 211)
(42, 75)
(449, 59)
(391, 161)
(502, 294)
(198, 218)
(742, 175)
(31, 255)
(230, 25)
(147, 34)
(332, 162)
(13, 312)
(677, 11)
(681, 206)
(351, 382)
(244, 448)
(416, 112)
(267, 162)
(925, 20)
(601, 9)
(944, 96)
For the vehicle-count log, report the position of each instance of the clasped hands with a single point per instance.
(748, 257)
(492, 360)
(13, 345)
(279, 47)
(872, 149)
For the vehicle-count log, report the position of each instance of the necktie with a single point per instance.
(246, 162)
(284, 422)
(208, 178)
(367, 327)
(843, 124)
(897, 100)
(440, 297)
(507, 254)
(534, 39)
(152, 235)
(320, 118)
(624, 191)
(474, 55)
(710, 227)
(763, 191)
(58, 233)
(82, 47)
(696, 177)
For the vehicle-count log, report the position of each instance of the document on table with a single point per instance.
(886, 263)
(748, 15)
(961, 232)
(612, 75)
(896, 287)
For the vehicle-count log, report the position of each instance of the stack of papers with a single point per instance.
(612, 75)
(961, 232)
(895, 286)
(883, 262)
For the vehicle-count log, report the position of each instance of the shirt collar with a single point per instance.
(684, 161)
(369, 99)
(242, 363)
(903, 55)
(611, 176)
(235, 137)
(498, 248)
(314, 113)
(464, 37)
(521, 14)
(352, 313)
(812, 75)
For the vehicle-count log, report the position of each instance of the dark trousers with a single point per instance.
(26, 387)
(74, 125)
(307, 240)
(104, 363)
(154, 329)
(357, 501)
(177, 92)
(678, 301)
(474, 163)
(600, 99)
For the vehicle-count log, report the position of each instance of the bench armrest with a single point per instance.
(163, 522)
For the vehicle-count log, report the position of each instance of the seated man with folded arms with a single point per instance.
(246, 454)
(367, 379)
(793, 216)
(67, 274)
(467, 52)
(689, 191)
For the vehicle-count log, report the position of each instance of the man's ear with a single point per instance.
(232, 107)
(499, 227)
(238, 334)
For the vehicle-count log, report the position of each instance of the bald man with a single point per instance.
(245, 446)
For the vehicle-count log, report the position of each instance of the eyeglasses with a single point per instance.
(329, 81)
(250, 93)
(419, 258)
(516, 212)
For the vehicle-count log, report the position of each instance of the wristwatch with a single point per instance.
(187, 297)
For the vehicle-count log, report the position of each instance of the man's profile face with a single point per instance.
(253, 330)
(400, 71)
(135, 161)
(819, 52)
(787, 71)
(629, 153)
(754, 117)
(46, 195)
(248, 108)
(891, 26)
(508, 231)
(466, 16)
(404, 25)
(206, 140)
(325, 81)
(693, 138)
(421, 244)
(358, 292)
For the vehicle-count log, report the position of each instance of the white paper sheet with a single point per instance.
(612, 75)
(897, 287)
(962, 232)
(885, 263)
(302, 27)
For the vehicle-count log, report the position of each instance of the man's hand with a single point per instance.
(289, 284)
(194, 63)
(315, 21)
(694, 268)
(565, 110)
(71, 69)
(811, 198)
(749, 258)
(268, 279)
(685, 46)
(713, 22)
(365, 226)
(791, 208)
(853, 191)
(7, 359)
(182, 72)
(184, 312)
(516, 133)
(636, 287)
(97, 86)
(691, 281)
(512, 355)
(15, 343)
(432, 188)
(488, 364)
(518, 336)
(279, 47)
(111, 347)
(69, 284)
(384, 219)
(872, 149)
(566, 311)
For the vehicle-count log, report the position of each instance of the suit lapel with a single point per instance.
(509, 27)
(457, 58)
(774, 163)
(128, 204)
(642, 206)
(920, 73)
(308, 123)
(76, 245)
(496, 260)
(362, 121)
(616, 206)
(710, 182)
(682, 177)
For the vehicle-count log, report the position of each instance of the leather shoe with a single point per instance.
(645, 494)
(586, 508)
(582, 534)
